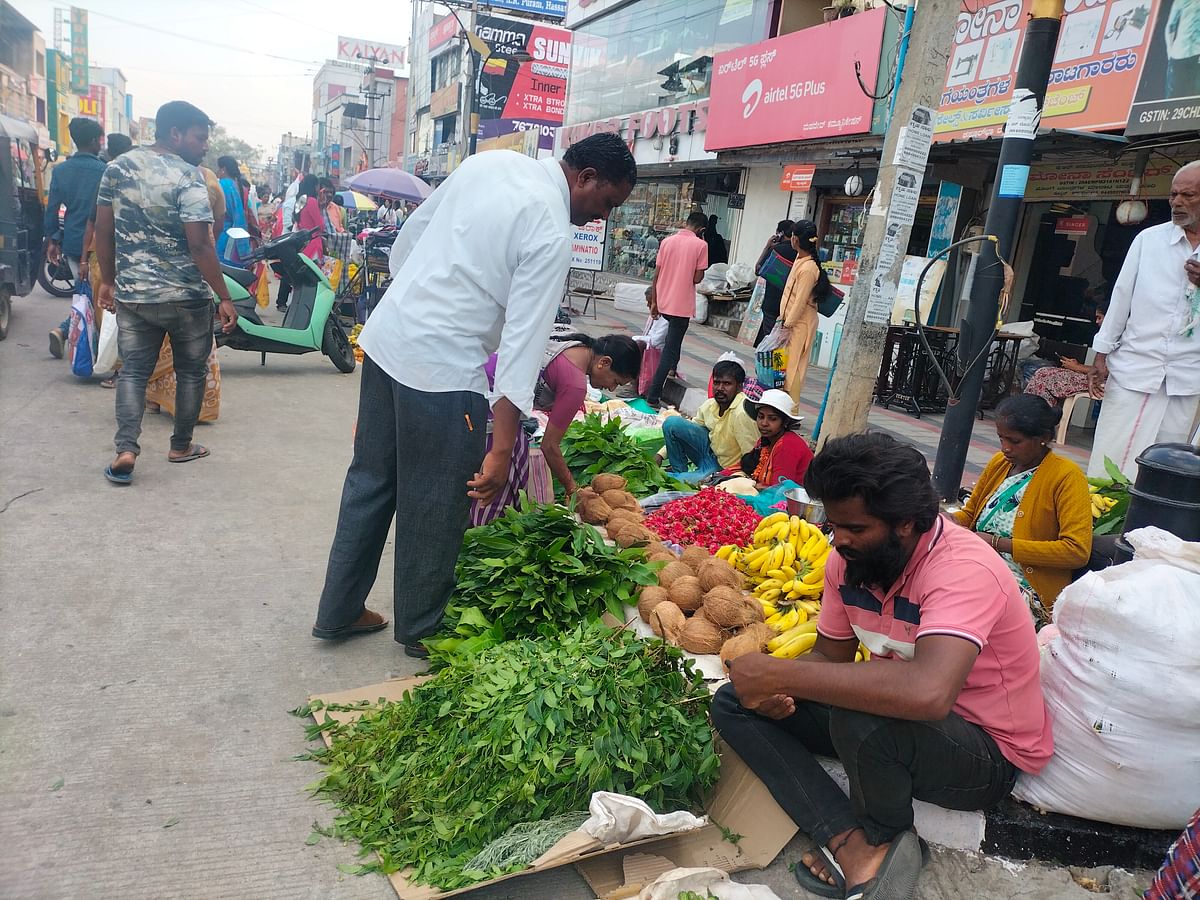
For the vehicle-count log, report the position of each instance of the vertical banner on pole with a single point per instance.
(79, 51)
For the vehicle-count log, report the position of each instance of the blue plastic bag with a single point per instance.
(771, 500)
(82, 328)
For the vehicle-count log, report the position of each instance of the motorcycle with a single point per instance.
(310, 322)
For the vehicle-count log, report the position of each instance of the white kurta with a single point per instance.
(1153, 386)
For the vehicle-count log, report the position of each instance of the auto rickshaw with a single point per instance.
(21, 211)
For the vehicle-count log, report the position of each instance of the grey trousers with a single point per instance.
(414, 453)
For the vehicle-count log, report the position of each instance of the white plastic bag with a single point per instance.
(655, 334)
(1122, 687)
(714, 279)
(739, 275)
(778, 337)
(617, 819)
(700, 316)
(705, 882)
(106, 353)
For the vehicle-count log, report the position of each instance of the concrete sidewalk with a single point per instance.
(154, 638)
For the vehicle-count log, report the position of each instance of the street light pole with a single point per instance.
(468, 100)
(1008, 196)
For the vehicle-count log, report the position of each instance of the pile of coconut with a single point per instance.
(700, 606)
(606, 504)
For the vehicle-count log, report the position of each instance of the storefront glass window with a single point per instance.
(619, 59)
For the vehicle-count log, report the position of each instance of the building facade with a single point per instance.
(108, 100)
(23, 75)
(359, 108)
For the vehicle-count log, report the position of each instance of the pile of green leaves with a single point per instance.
(534, 571)
(594, 446)
(526, 733)
(1116, 486)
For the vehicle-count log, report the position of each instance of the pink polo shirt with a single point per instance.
(680, 256)
(955, 585)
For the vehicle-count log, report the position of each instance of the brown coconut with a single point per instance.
(660, 555)
(621, 500)
(632, 535)
(731, 611)
(740, 645)
(606, 481)
(694, 555)
(672, 571)
(650, 597)
(667, 621)
(701, 636)
(596, 512)
(761, 631)
(686, 593)
(621, 514)
(716, 572)
(584, 494)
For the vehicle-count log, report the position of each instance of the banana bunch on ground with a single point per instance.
(1100, 503)
(786, 561)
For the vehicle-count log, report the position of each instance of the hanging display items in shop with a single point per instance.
(1101, 51)
(1168, 94)
(526, 99)
(762, 95)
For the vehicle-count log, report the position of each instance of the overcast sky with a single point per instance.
(174, 50)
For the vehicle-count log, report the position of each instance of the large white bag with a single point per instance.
(1122, 686)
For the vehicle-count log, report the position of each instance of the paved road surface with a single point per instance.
(155, 636)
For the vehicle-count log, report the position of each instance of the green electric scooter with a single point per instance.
(309, 324)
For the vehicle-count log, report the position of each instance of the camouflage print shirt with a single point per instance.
(152, 195)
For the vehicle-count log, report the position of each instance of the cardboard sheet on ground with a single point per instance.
(739, 802)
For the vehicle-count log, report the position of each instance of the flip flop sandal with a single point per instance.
(198, 452)
(898, 874)
(333, 634)
(815, 885)
(122, 478)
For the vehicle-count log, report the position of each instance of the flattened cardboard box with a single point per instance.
(739, 802)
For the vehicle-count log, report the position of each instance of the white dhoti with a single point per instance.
(1130, 421)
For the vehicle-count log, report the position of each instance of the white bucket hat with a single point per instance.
(780, 401)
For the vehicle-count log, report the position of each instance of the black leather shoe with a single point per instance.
(416, 651)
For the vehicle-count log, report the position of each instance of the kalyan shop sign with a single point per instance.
(796, 87)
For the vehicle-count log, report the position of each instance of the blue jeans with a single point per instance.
(688, 444)
(140, 330)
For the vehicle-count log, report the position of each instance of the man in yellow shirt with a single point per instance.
(720, 434)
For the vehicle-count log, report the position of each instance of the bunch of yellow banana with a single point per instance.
(786, 561)
(794, 641)
(1100, 503)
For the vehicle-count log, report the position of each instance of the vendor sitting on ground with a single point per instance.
(1031, 505)
(948, 708)
(780, 452)
(720, 433)
(569, 364)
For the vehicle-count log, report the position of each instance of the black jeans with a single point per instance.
(414, 453)
(889, 762)
(677, 327)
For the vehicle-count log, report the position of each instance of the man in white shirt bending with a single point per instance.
(1148, 349)
(479, 267)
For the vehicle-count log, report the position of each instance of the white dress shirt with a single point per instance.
(1148, 310)
(478, 268)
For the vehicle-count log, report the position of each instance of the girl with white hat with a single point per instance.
(780, 452)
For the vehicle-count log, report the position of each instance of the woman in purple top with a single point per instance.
(570, 362)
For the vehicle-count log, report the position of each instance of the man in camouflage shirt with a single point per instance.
(157, 262)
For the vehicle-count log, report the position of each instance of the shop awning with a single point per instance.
(1051, 141)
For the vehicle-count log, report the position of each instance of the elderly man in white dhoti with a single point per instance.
(1147, 366)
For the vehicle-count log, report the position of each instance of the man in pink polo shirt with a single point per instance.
(682, 259)
(948, 708)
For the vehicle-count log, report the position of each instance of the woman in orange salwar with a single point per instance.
(798, 308)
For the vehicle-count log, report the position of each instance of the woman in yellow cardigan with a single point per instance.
(1031, 505)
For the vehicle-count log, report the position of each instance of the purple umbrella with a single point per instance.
(394, 184)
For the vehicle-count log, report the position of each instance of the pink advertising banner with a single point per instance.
(796, 87)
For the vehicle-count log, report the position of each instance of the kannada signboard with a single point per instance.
(1168, 94)
(796, 87)
(361, 50)
(1101, 49)
(797, 178)
(1089, 182)
(79, 51)
(587, 246)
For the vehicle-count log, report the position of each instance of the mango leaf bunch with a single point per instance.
(525, 733)
(594, 446)
(533, 571)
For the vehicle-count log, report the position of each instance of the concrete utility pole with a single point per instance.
(1008, 195)
(923, 79)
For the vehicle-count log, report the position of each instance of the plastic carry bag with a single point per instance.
(106, 347)
(770, 498)
(1122, 685)
(739, 275)
(82, 328)
(752, 320)
(700, 316)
